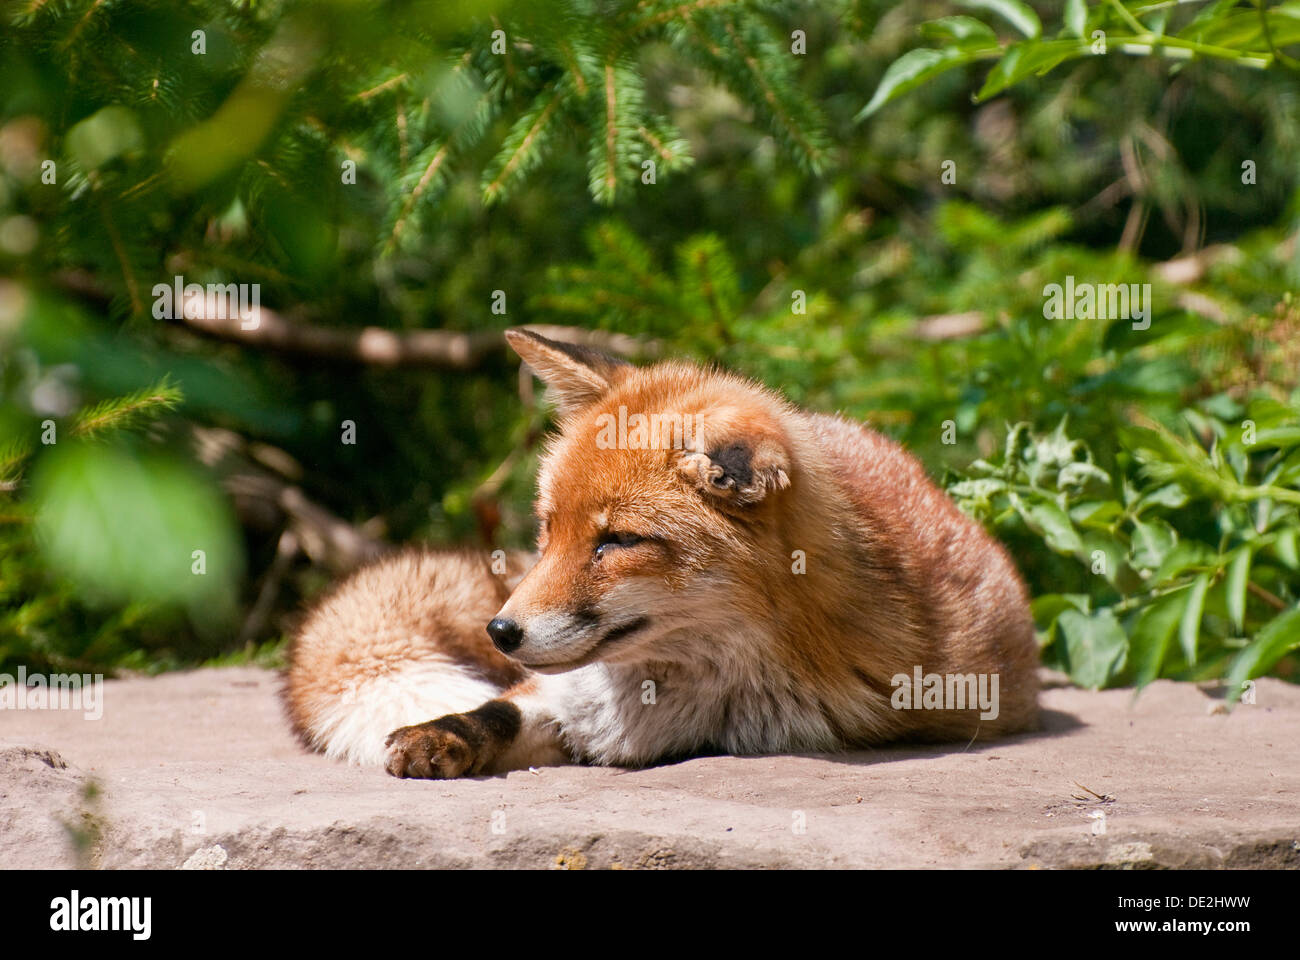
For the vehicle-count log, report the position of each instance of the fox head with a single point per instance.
(657, 508)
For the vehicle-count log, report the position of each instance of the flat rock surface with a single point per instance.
(199, 770)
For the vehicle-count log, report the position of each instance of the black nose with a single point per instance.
(506, 634)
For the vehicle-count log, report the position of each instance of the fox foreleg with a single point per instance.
(513, 732)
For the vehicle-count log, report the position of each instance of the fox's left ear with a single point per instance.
(575, 375)
(736, 461)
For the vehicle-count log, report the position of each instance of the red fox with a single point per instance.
(717, 571)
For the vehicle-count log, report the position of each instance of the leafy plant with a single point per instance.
(1221, 30)
(1183, 562)
(99, 553)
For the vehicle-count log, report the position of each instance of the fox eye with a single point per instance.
(613, 538)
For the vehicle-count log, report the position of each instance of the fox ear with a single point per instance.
(738, 465)
(575, 375)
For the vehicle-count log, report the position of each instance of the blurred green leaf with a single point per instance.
(1238, 579)
(1053, 523)
(1095, 645)
(1151, 635)
(126, 527)
(106, 135)
(1280, 636)
(913, 69)
(1019, 15)
(1190, 624)
(1024, 59)
(966, 31)
(1076, 16)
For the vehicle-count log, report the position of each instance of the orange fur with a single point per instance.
(768, 578)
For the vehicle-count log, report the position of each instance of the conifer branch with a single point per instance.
(681, 11)
(429, 173)
(381, 87)
(123, 412)
(655, 144)
(518, 158)
(403, 147)
(611, 131)
(119, 250)
(13, 454)
(572, 65)
(779, 111)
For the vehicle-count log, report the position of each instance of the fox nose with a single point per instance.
(506, 635)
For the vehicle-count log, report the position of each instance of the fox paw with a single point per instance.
(429, 751)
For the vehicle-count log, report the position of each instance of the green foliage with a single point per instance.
(396, 167)
(98, 556)
(136, 150)
(121, 413)
(1181, 562)
(118, 525)
(1253, 38)
(284, 95)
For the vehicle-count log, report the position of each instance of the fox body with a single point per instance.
(760, 582)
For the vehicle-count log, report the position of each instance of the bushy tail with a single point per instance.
(400, 642)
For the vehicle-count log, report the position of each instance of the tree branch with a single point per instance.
(265, 499)
(430, 349)
(375, 346)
